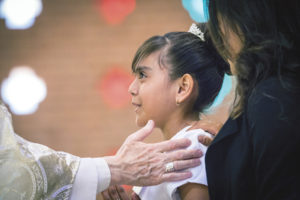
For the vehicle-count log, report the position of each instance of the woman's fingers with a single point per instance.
(113, 193)
(105, 195)
(134, 196)
(205, 140)
(122, 193)
(213, 127)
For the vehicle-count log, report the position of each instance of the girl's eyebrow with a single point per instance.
(142, 69)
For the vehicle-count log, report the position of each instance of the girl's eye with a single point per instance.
(141, 75)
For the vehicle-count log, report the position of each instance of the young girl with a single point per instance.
(177, 76)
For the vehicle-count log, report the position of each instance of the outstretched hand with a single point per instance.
(141, 164)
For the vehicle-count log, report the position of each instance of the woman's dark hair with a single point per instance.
(269, 31)
(185, 53)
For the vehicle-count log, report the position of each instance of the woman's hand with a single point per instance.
(141, 164)
(209, 126)
(117, 192)
(134, 196)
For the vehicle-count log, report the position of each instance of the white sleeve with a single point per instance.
(199, 172)
(93, 176)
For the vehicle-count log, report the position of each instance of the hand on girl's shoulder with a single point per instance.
(209, 126)
(212, 127)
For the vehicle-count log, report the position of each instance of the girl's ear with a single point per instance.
(185, 88)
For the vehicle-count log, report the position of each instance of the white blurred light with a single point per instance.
(23, 90)
(20, 14)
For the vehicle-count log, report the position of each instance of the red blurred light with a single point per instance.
(113, 87)
(115, 11)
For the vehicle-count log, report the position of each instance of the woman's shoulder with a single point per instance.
(273, 89)
(271, 84)
(271, 99)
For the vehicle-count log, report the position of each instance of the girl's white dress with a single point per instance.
(168, 190)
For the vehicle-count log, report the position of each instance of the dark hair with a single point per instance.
(269, 31)
(185, 53)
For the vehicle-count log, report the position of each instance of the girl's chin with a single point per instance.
(140, 122)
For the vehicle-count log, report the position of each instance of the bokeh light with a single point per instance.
(23, 90)
(113, 87)
(20, 14)
(115, 11)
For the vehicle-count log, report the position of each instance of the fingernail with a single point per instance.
(150, 123)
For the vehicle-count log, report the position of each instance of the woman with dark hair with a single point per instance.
(256, 153)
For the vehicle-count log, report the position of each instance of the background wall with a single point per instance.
(72, 47)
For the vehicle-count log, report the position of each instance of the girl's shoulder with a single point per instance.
(189, 133)
(192, 135)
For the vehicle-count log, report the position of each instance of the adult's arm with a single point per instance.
(136, 163)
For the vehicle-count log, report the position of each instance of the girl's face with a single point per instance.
(153, 93)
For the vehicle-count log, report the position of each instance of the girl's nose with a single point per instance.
(133, 89)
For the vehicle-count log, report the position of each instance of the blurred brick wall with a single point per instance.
(71, 47)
